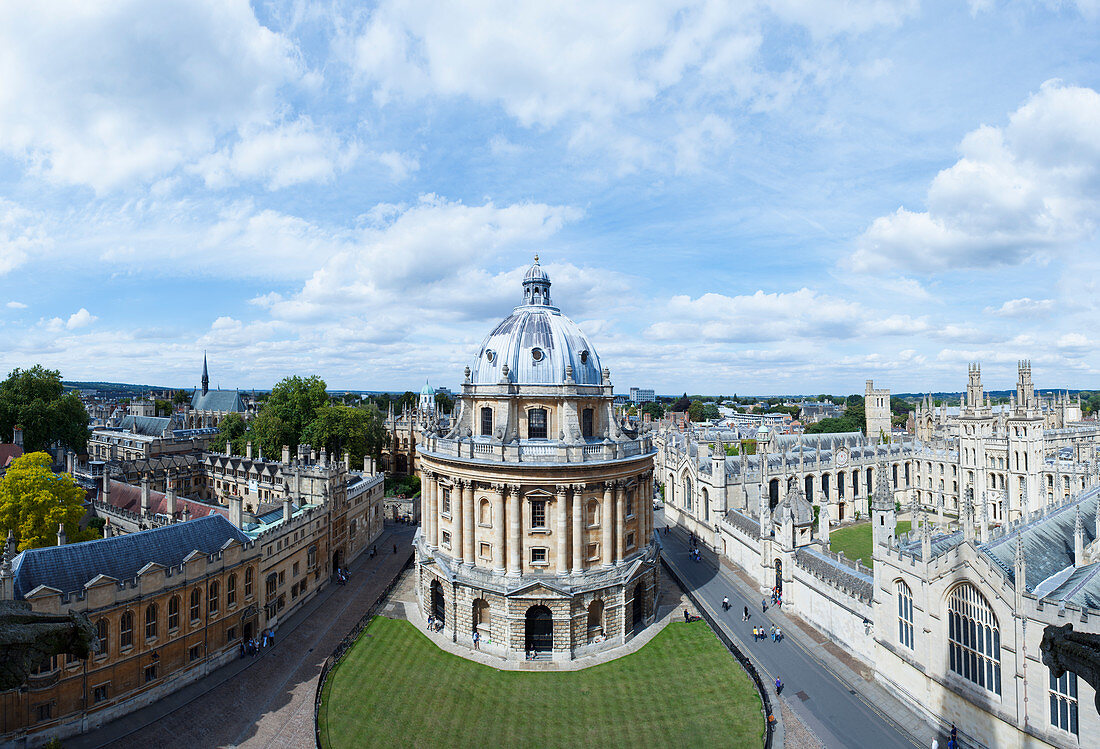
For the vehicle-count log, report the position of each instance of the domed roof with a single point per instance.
(537, 342)
(427, 389)
(536, 273)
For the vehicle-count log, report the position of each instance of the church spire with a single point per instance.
(205, 376)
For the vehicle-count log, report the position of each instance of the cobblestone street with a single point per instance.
(265, 701)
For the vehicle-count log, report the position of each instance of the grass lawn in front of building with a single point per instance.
(855, 540)
(396, 688)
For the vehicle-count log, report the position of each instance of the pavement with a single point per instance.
(829, 694)
(267, 700)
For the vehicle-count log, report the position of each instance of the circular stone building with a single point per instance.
(537, 527)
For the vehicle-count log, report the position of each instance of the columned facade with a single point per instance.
(538, 531)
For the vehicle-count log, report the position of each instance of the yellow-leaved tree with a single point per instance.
(35, 501)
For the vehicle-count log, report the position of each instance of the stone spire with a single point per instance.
(925, 538)
(1078, 539)
(205, 376)
(883, 498)
(967, 518)
(984, 521)
(1020, 564)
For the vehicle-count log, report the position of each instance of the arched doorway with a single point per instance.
(637, 609)
(539, 631)
(439, 607)
(779, 577)
(337, 559)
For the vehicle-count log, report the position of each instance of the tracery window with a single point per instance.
(974, 640)
(905, 614)
(1063, 702)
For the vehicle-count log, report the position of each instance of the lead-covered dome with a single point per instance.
(537, 342)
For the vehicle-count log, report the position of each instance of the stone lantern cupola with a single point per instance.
(536, 285)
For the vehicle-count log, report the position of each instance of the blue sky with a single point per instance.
(730, 197)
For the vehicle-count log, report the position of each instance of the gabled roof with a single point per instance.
(8, 453)
(217, 400)
(149, 426)
(69, 568)
(128, 497)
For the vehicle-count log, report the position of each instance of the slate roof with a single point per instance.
(217, 400)
(68, 568)
(8, 453)
(149, 426)
(1048, 542)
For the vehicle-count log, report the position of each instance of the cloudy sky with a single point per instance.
(765, 197)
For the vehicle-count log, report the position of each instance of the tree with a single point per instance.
(231, 431)
(632, 411)
(269, 433)
(654, 409)
(162, 407)
(682, 403)
(290, 408)
(180, 397)
(35, 501)
(696, 411)
(35, 400)
(339, 428)
(444, 403)
(711, 412)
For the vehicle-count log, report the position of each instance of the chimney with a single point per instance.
(248, 450)
(145, 494)
(170, 503)
(235, 511)
(347, 460)
(17, 436)
(105, 494)
(286, 454)
(61, 540)
(368, 471)
(288, 510)
(324, 456)
(312, 456)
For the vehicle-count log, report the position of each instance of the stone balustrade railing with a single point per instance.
(534, 452)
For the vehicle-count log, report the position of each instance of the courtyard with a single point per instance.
(396, 688)
(856, 541)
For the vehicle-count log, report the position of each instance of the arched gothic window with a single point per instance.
(173, 613)
(905, 614)
(126, 630)
(150, 621)
(213, 595)
(687, 493)
(102, 633)
(196, 604)
(974, 639)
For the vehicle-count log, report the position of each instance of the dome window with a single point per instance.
(490, 355)
(584, 356)
(537, 354)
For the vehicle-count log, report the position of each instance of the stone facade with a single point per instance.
(537, 528)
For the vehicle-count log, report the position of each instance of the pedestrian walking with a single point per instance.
(477, 640)
(778, 634)
(431, 622)
(773, 633)
(745, 618)
(763, 605)
(778, 685)
(726, 603)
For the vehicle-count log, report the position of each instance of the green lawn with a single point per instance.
(855, 540)
(396, 688)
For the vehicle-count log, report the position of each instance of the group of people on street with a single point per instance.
(253, 646)
(759, 633)
(434, 625)
(342, 575)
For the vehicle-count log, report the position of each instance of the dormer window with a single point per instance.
(537, 354)
(490, 355)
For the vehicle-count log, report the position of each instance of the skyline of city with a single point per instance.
(767, 200)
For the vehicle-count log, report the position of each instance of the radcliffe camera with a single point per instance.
(549, 374)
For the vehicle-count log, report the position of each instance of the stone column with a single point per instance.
(607, 516)
(458, 501)
(468, 527)
(644, 511)
(578, 528)
(430, 518)
(620, 519)
(515, 529)
(498, 527)
(562, 530)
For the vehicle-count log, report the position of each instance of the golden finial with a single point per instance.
(536, 257)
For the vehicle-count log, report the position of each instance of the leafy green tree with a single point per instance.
(654, 409)
(339, 428)
(293, 403)
(162, 407)
(231, 431)
(696, 411)
(711, 412)
(35, 400)
(180, 397)
(34, 501)
(269, 433)
(682, 403)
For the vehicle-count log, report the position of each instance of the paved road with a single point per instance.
(265, 701)
(838, 715)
